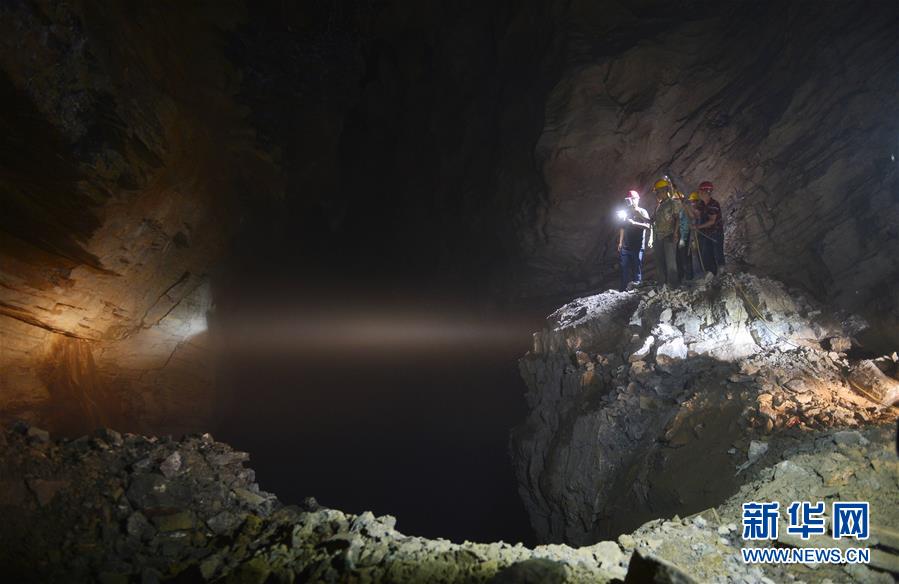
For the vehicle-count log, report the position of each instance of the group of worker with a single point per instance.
(682, 231)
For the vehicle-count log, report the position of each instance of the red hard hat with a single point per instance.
(632, 195)
(706, 186)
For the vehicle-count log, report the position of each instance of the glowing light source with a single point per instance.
(196, 325)
(622, 214)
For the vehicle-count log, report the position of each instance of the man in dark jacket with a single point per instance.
(710, 229)
(632, 240)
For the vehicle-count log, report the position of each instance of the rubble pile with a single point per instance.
(124, 508)
(657, 401)
(847, 465)
(127, 508)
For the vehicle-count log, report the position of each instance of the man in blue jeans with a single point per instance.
(632, 240)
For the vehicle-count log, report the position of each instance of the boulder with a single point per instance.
(646, 568)
(37, 436)
(868, 380)
(171, 465)
(643, 351)
(46, 490)
(177, 521)
(839, 344)
(137, 525)
(224, 522)
(670, 351)
(533, 571)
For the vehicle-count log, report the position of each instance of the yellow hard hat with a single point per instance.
(661, 184)
(694, 196)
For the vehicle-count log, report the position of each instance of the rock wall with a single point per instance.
(647, 403)
(137, 140)
(783, 107)
(124, 155)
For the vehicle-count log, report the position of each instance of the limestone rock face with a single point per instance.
(124, 161)
(611, 440)
(784, 110)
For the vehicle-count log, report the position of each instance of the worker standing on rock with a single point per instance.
(693, 258)
(664, 233)
(632, 240)
(685, 221)
(710, 230)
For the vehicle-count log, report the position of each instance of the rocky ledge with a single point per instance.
(124, 508)
(127, 508)
(656, 401)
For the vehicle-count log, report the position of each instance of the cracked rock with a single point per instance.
(601, 446)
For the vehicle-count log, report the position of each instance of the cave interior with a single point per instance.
(325, 231)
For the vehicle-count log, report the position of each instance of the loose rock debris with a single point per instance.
(649, 402)
(100, 509)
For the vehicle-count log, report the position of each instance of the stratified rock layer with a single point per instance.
(651, 402)
(124, 156)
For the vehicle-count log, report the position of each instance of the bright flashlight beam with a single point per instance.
(622, 215)
(305, 331)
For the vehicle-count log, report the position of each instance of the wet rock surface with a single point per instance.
(657, 401)
(99, 508)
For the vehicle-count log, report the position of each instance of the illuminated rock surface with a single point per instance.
(122, 162)
(114, 508)
(619, 434)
